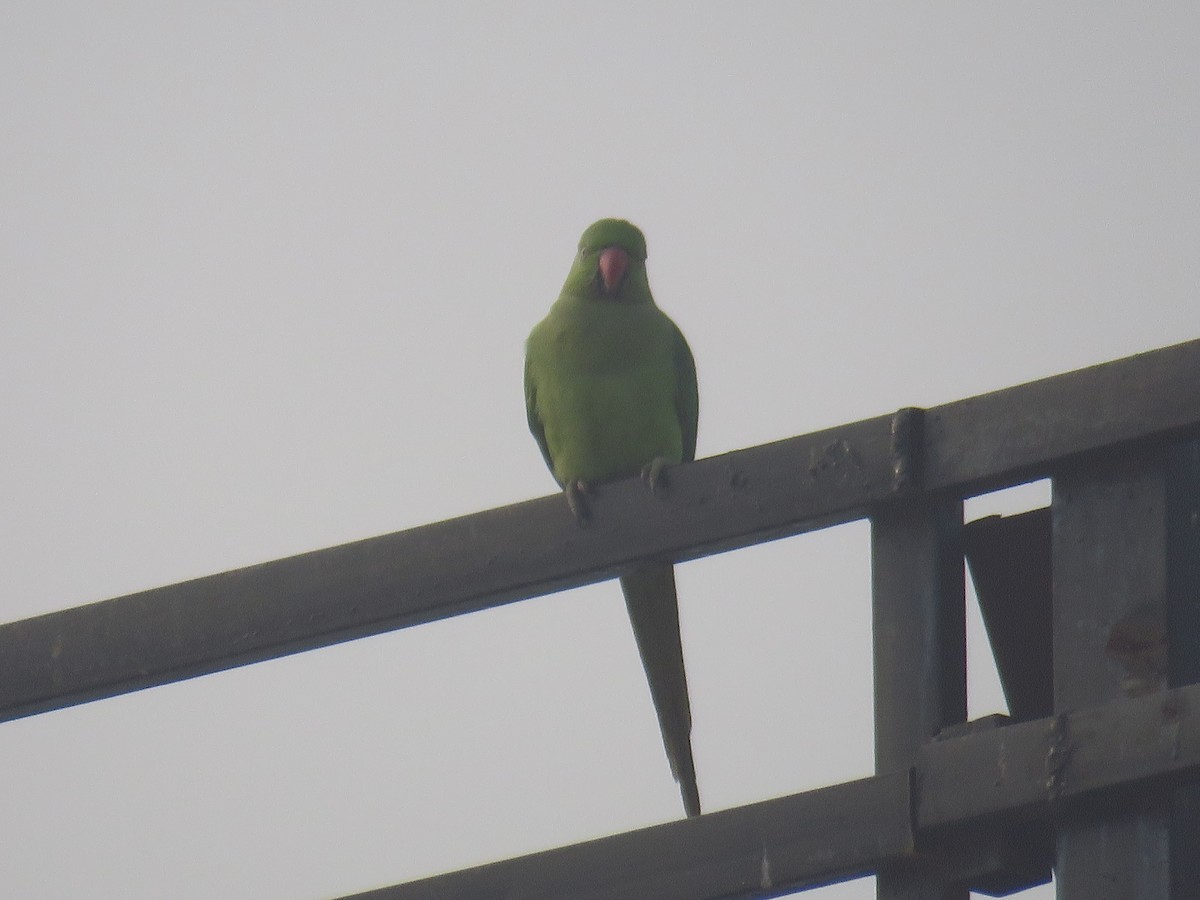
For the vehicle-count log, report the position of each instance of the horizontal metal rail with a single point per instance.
(983, 780)
(532, 548)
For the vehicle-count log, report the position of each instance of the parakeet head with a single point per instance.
(611, 263)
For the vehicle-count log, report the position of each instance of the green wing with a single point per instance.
(687, 395)
(535, 423)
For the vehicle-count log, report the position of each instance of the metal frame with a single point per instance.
(778, 846)
(1119, 442)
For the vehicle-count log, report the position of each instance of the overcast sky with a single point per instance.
(266, 271)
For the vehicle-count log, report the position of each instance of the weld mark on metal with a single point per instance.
(1058, 757)
(907, 443)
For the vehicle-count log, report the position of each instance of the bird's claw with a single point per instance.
(576, 493)
(655, 474)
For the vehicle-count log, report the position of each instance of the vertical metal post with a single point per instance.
(1125, 560)
(1183, 629)
(919, 648)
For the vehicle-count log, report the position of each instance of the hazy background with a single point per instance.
(266, 271)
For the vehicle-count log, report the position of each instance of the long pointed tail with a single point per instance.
(654, 612)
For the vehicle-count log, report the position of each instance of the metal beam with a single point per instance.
(1109, 587)
(494, 557)
(1060, 766)
(1182, 495)
(1056, 767)
(766, 849)
(1026, 432)
(919, 651)
(919, 626)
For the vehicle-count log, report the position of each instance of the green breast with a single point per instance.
(606, 389)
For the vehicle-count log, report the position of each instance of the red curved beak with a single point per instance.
(613, 263)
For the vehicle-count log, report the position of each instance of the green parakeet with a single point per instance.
(610, 392)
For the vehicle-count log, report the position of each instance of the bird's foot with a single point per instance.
(576, 493)
(654, 473)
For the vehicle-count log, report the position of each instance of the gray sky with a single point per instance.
(266, 272)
